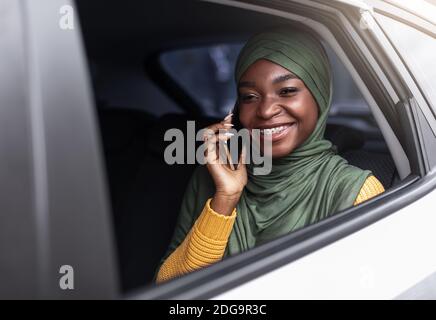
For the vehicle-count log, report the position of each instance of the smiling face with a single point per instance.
(276, 101)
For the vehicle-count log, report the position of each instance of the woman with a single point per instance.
(284, 82)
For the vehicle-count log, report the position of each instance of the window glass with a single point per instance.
(418, 51)
(206, 73)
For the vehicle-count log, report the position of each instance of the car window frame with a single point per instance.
(396, 60)
(19, 276)
(421, 96)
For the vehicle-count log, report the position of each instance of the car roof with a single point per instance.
(137, 26)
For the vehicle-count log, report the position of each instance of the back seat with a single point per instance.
(146, 193)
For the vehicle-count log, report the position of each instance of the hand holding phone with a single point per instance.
(229, 181)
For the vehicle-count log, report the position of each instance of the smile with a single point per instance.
(276, 133)
(271, 131)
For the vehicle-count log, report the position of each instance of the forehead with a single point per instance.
(264, 69)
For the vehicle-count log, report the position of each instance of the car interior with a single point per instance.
(156, 65)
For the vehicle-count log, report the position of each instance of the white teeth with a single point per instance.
(272, 130)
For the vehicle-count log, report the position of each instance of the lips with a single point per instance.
(275, 132)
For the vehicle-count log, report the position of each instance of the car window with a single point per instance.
(206, 74)
(124, 86)
(417, 49)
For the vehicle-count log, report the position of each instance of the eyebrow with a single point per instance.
(284, 77)
(281, 78)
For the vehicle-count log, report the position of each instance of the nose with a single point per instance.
(268, 108)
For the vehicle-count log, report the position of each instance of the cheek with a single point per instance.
(305, 110)
(312, 114)
(246, 113)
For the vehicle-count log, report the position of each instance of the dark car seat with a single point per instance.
(350, 144)
(147, 193)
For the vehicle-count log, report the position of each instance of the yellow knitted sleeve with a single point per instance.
(204, 245)
(371, 188)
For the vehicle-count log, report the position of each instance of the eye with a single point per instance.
(248, 97)
(288, 91)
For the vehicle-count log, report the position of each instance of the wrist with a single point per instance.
(229, 195)
(224, 203)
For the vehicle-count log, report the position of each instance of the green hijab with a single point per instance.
(309, 184)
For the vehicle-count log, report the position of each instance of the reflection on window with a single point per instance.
(418, 50)
(206, 73)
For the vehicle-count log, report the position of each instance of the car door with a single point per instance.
(56, 239)
(370, 251)
(382, 260)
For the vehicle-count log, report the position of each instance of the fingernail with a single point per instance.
(228, 116)
(228, 124)
(229, 134)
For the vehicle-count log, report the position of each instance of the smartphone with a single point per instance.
(237, 126)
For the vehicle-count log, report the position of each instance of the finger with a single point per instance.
(220, 137)
(218, 153)
(228, 119)
(228, 156)
(214, 128)
(207, 134)
(222, 153)
(242, 158)
(228, 116)
(211, 155)
(213, 136)
(226, 123)
(210, 151)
